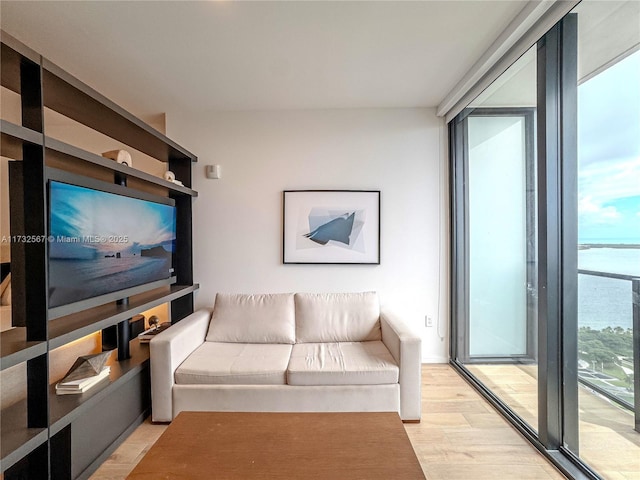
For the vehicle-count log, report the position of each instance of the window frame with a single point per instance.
(557, 213)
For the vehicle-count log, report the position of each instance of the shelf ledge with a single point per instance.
(65, 329)
(15, 349)
(60, 148)
(16, 440)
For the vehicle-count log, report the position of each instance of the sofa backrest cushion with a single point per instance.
(240, 318)
(337, 317)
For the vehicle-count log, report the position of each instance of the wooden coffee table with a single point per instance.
(332, 446)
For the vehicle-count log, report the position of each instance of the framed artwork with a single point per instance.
(331, 226)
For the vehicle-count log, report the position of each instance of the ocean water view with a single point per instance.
(73, 280)
(606, 302)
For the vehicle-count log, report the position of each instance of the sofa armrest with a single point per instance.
(405, 346)
(168, 350)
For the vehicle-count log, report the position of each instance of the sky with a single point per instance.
(609, 155)
(77, 212)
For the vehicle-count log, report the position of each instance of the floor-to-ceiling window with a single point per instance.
(546, 241)
(497, 134)
(608, 184)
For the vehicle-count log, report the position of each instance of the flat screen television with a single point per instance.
(106, 242)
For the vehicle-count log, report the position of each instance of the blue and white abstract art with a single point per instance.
(331, 226)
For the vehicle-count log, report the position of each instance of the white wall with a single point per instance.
(238, 219)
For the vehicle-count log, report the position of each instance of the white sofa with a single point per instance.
(287, 353)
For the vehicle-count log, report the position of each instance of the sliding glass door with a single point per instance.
(497, 166)
(545, 191)
(501, 225)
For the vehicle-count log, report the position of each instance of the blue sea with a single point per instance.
(606, 302)
(73, 280)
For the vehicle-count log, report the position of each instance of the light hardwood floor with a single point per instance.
(460, 437)
(608, 441)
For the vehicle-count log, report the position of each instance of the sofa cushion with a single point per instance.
(239, 318)
(348, 363)
(235, 363)
(337, 317)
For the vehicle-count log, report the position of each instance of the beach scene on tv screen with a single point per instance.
(101, 242)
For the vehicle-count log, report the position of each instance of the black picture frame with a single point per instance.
(331, 227)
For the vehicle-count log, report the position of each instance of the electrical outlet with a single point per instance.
(428, 321)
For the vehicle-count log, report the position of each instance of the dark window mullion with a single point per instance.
(459, 335)
(569, 172)
(549, 241)
(557, 203)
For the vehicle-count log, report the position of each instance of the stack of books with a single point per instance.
(82, 385)
(86, 372)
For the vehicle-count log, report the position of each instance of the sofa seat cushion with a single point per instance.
(345, 363)
(235, 363)
(242, 318)
(337, 317)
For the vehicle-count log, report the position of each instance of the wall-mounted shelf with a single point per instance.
(45, 435)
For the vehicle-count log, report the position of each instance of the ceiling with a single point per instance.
(187, 56)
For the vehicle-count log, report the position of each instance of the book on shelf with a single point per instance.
(81, 385)
(147, 335)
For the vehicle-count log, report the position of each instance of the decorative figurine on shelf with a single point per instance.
(169, 176)
(121, 156)
(85, 373)
(155, 327)
(87, 366)
(154, 322)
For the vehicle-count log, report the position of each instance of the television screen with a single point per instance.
(101, 242)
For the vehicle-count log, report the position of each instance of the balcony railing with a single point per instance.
(635, 298)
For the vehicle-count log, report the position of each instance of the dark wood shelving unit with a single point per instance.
(47, 435)
(15, 349)
(77, 325)
(13, 54)
(14, 137)
(18, 440)
(64, 409)
(61, 150)
(72, 98)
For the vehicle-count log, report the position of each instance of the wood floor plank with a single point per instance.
(457, 406)
(506, 455)
(602, 423)
(445, 419)
(483, 471)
